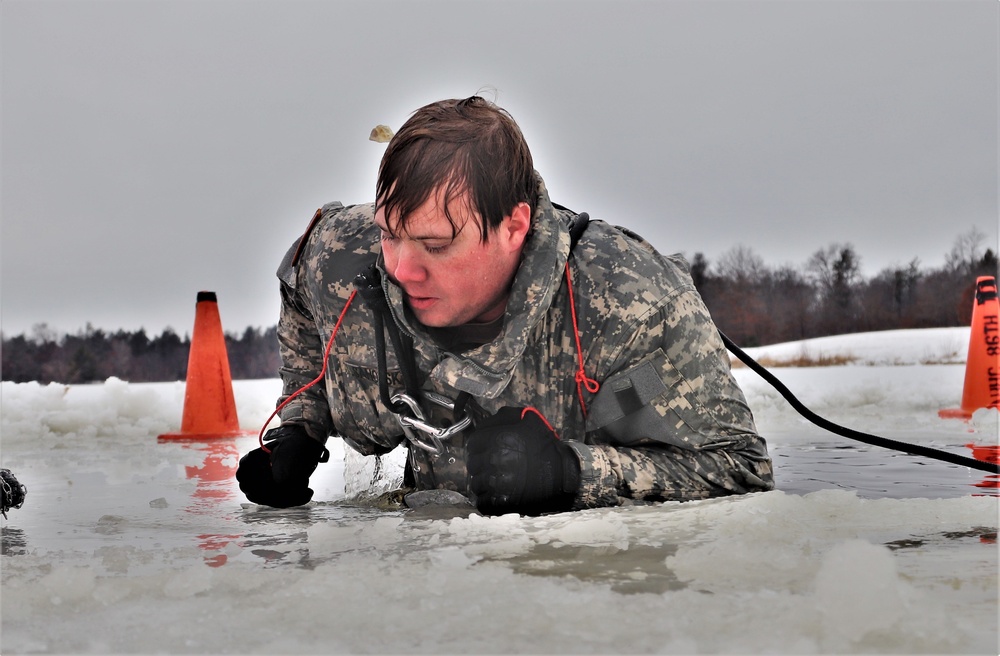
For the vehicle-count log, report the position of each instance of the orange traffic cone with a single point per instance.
(982, 367)
(209, 406)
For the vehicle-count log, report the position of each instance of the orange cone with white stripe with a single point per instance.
(982, 367)
(209, 405)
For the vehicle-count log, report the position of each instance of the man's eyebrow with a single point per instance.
(447, 237)
(431, 237)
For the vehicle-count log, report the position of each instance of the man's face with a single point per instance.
(446, 280)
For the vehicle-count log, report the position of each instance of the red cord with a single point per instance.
(322, 373)
(542, 417)
(582, 380)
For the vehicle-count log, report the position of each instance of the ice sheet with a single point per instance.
(126, 545)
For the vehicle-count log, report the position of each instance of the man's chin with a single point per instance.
(428, 317)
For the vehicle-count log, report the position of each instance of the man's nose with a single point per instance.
(409, 266)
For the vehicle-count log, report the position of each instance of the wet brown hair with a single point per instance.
(458, 145)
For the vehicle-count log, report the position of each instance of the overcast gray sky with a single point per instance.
(152, 149)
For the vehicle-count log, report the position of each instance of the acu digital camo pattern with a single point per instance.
(669, 421)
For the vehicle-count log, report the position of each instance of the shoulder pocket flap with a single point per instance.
(649, 403)
(625, 393)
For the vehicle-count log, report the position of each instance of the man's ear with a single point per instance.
(517, 226)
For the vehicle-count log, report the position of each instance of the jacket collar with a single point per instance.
(487, 370)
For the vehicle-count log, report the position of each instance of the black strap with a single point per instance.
(369, 284)
(576, 228)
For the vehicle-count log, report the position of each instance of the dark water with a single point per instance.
(831, 462)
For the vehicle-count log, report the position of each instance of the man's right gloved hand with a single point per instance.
(281, 478)
(517, 463)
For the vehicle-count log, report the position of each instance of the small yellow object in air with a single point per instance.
(381, 134)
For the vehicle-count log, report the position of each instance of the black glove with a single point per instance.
(519, 465)
(281, 478)
(11, 492)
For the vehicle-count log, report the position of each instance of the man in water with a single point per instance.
(535, 362)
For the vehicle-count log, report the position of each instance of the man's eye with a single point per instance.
(387, 236)
(433, 250)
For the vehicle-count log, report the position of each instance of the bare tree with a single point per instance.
(741, 265)
(836, 275)
(967, 252)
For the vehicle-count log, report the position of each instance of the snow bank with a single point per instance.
(887, 347)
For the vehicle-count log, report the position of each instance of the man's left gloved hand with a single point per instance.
(516, 463)
(281, 479)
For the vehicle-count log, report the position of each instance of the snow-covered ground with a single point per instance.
(129, 545)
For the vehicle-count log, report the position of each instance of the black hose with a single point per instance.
(867, 438)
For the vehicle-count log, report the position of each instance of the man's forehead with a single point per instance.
(437, 216)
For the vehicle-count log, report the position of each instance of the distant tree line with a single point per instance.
(754, 304)
(95, 355)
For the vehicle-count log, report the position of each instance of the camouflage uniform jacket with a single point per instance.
(669, 420)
